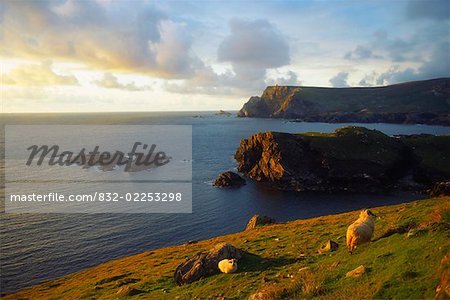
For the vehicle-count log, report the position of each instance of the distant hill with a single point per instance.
(423, 102)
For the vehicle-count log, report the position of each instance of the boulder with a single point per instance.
(356, 272)
(203, 264)
(258, 220)
(229, 179)
(329, 246)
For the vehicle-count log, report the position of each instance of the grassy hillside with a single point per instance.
(397, 266)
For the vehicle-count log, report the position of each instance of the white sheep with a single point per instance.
(361, 231)
(228, 265)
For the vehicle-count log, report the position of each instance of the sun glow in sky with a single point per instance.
(105, 55)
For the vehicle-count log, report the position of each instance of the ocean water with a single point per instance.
(39, 247)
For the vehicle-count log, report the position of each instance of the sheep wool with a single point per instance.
(361, 231)
(228, 265)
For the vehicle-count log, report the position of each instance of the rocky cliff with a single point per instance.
(424, 102)
(350, 159)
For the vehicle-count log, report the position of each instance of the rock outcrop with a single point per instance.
(352, 159)
(440, 189)
(258, 220)
(202, 264)
(423, 102)
(329, 246)
(229, 179)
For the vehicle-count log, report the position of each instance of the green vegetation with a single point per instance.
(397, 265)
(433, 151)
(357, 143)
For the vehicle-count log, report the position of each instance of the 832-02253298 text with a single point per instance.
(98, 196)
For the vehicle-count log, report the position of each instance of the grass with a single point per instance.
(391, 99)
(283, 262)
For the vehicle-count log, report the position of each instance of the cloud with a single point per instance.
(37, 75)
(369, 79)
(437, 65)
(361, 53)
(110, 81)
(426, 9)
(340, 80)
(252, 47)
(113, 37)
(254, 44)
(291, 79)
(172, 51)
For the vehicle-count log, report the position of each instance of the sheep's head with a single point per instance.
(367, 213)
(233, 262)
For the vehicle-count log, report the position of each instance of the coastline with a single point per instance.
(276, 251)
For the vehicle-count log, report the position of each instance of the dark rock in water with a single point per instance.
(224, 113)
(229, 179)
(422, 102)
(258, 220)
(329, 246)
(202, 264)
(440, 189)
(353, 159)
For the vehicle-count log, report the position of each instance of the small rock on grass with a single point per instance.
(127, 291)
(356, 272)
(329, 246)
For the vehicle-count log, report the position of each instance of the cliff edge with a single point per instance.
(421, 102)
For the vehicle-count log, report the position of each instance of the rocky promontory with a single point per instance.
(352, 159)
(418, 102)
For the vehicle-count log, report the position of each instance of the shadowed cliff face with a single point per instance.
(351, 159)
(426, 102)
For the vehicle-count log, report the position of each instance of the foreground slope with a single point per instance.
(426, 102)
(397, 266)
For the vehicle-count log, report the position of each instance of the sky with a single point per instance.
(107, 55)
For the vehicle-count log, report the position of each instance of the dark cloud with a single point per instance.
(254, 44)
(396, 75)
(428, 9)
(397, 49)
(361, 53)
(340, 80)
(437, 65)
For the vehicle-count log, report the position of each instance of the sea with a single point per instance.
(39, 247)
